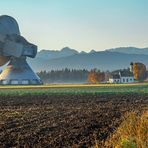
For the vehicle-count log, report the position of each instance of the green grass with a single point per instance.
(75, 89)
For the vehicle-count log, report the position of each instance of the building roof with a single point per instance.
(125, 73)
(121, 73)
(115, 76)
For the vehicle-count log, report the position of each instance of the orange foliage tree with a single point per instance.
(95, 76)
(139, 71)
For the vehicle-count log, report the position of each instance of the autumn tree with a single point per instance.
(95, 76)
(92, 76)
(139, 71)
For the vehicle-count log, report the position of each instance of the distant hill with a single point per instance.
(104, 60)
(130, 50)
(53, 54)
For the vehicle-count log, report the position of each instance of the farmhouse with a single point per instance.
(122, 77)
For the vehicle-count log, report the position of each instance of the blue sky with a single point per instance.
(81, 24)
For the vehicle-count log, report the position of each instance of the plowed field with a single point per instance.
(63, 120)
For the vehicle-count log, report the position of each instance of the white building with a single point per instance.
(115, 79)
(122, 77)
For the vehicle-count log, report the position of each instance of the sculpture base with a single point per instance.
(18, 72)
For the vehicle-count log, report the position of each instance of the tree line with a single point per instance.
(87, 76)
(65, 75)
(72, 75)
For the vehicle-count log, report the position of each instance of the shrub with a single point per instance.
(132, 133)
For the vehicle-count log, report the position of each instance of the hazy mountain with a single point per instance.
(92, 51)
(52, 54)
(104, 60)
(130, 50)
(83, 52)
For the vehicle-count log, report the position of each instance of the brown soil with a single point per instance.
(64, 120)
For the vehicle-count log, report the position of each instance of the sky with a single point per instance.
(81, 24)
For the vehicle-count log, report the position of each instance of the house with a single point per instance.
(115, 78)
(123, 76)
(126, 77)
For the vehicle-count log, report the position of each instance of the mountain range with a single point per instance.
(130, 50)
(110, 59)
